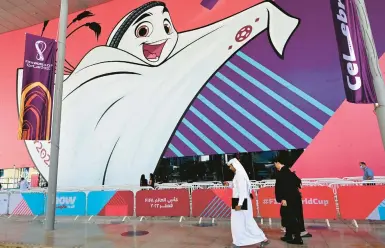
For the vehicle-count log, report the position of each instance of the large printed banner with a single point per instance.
(37, 88)
(362, 202)
(318, 203)
(70, 203)
(172, 202)
(110, 203)
(232, 93)
(214, 203)
(354, 61)
(26, 204)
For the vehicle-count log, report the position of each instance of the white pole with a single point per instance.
(14, 176)
(53, 168)
(371, 52)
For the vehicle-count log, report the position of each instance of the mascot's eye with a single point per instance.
(143, 30)
(167, 26)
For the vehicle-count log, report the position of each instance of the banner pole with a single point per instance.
(14, 177)
(53, 167)
(371, 52)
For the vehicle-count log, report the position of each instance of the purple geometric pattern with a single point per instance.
(209, 4)
(216, 209)
(258, 102)
(241, 114)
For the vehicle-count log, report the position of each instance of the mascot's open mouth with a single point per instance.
(153, 51)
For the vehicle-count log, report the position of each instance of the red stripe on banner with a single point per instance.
(215, 203)
(25, 209)
(213, 208)
(18, 207)
(117, 199)
(121, 204)
(22, 209)
(201, 198)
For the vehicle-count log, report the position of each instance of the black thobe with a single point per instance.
(287, 187)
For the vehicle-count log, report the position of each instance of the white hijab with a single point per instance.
(240, 173)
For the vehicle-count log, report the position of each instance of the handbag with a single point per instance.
(234, 203)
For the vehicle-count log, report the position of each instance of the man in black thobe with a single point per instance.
(287, 193)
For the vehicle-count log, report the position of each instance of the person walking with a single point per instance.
(304, 232)
(23, 184)
(302, 228)
(244, 229)
(287, 193)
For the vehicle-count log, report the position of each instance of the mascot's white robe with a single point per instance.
(118, 113)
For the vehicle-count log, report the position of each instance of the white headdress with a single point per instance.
(240, 172)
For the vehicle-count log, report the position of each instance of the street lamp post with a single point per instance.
(53, 168)
(375, 71)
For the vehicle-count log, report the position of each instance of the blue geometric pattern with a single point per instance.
(35, 202)
(97, 200)
(247, 107)
(381, 210)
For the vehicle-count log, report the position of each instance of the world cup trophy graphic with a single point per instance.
(40, 48)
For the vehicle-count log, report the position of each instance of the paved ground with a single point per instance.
(172, 234)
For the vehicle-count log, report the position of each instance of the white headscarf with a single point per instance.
(240, 173)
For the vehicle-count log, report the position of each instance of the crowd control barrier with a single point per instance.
(70, 204)
(168, 202)
(110, 203)
(322, 199)
(29, 203)
(214, 203)
(318, 203)
(361, 202)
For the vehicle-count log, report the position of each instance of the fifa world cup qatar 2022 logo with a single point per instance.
(40, 48)
(38, 61)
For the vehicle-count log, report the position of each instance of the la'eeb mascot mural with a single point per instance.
(124, 100)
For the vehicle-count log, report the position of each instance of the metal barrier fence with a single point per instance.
(11, 183)
(322, 199)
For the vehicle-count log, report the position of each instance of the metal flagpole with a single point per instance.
(53, 168)
(374, 65)
(14, 176)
